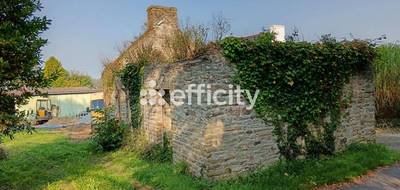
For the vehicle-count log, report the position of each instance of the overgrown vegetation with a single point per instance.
(187, 43)
(108, 132)
(132, 79)
(43, 161)
(136, 141)
(387, 81)
(300, 86)
(108, 80)
(161, 152)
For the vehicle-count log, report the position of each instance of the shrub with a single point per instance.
(300, 85)
(161, 152)
(181, 168)
(387, 81)
(107, 132)
(135, 140)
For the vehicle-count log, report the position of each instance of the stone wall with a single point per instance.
(215, 141)
(218, 141)
(223, 141)
(156, 121)
(358, 119)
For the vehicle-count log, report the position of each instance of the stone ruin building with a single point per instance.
(219, 142)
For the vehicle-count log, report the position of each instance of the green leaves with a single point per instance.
(20, 59)
(132, 79)
(300, 84)
(108, 132)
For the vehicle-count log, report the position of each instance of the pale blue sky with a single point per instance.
(84, 32)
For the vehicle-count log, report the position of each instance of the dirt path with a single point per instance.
(389, 137)
(77, 132)
(72, 127)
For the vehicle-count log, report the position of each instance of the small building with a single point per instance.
(66, 102)
(221, 141)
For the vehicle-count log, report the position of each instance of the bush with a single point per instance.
(161, 152)
(135, 140)
(107, 131)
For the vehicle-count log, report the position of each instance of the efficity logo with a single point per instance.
(197, 94)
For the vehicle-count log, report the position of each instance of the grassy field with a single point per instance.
(51, 161)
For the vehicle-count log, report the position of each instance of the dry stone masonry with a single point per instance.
(358, 119)
(224, 141)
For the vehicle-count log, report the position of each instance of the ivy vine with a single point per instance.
(132, 79)
(300, 85)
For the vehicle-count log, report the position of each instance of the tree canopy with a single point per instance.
(60, 77)
(53, 69)
(20, 59)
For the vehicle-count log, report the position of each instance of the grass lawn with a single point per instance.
(51, 161)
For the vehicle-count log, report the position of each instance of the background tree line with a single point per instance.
(60, 77)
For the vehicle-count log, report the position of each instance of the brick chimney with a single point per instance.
(157, 16)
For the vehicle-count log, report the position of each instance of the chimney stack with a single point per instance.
(160, 15)
(279, 31)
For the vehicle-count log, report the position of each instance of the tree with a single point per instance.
(53, 69)
(220, 26)
(20, 59)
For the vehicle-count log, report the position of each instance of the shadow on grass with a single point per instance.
(53, 159)
(156, 175)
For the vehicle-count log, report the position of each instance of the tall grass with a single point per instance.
(187, 43)
(387, 81)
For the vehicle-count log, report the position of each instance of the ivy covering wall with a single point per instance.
(300, 86)
(132, 79)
